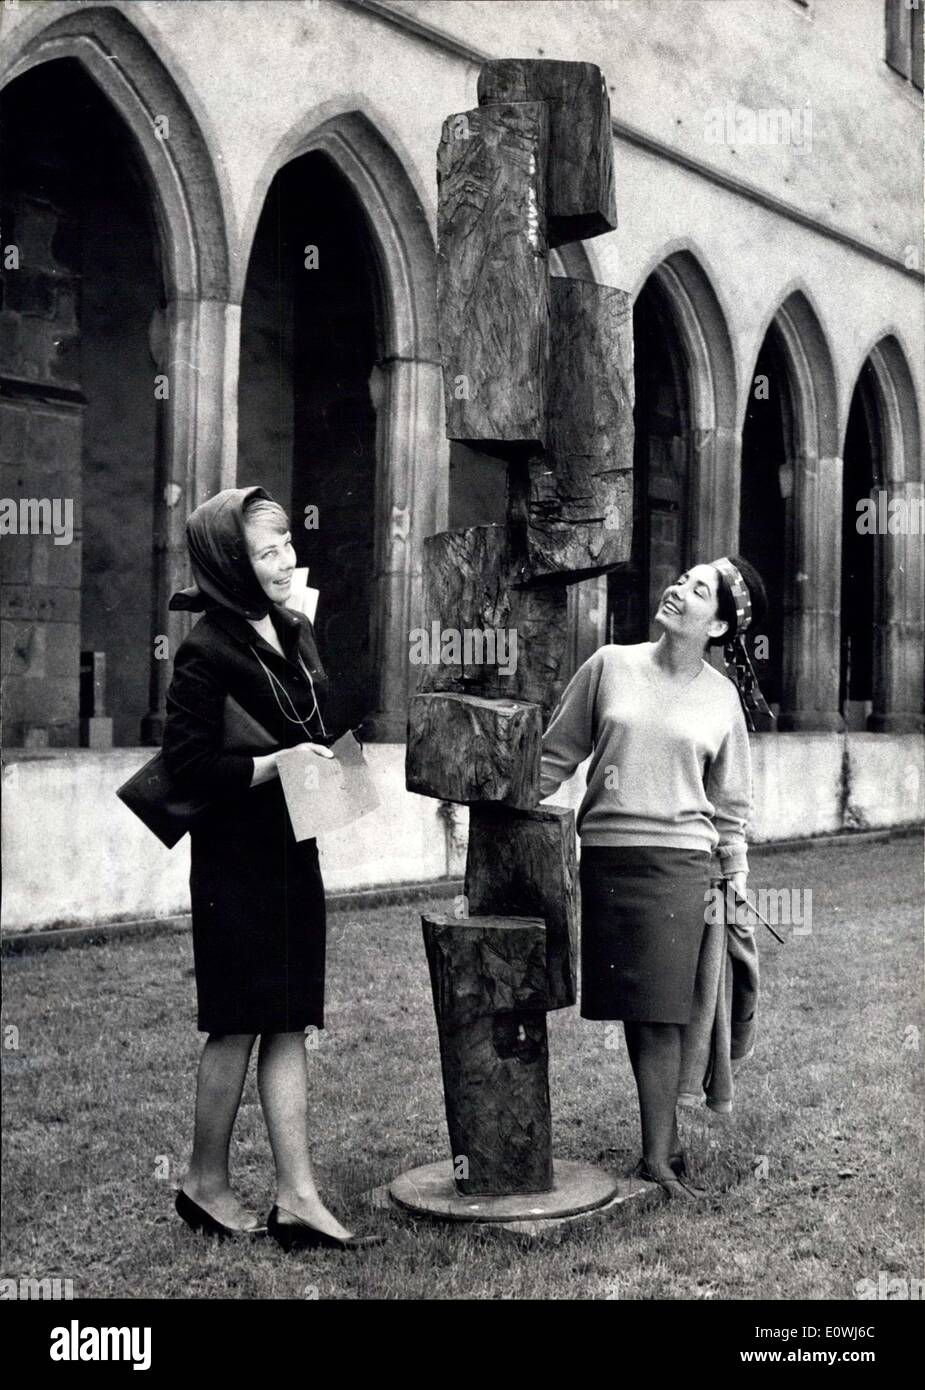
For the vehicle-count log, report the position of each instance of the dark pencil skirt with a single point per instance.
(642, 922)
(258, 919)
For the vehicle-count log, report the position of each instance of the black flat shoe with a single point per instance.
(296, 1234)
(198, 1219)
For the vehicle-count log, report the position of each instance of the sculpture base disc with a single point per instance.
(578, 1187)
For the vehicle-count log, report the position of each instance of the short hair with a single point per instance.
(265, 509)
(725, 603)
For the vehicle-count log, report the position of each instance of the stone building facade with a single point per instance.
(163, 332)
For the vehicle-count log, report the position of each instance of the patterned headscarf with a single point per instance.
(735, 654)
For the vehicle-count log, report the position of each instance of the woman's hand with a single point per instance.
(318, 748)
(738, 912)
(265, 769)
(265, 766)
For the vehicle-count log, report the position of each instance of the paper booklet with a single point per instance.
(324, 794)
(301, 597)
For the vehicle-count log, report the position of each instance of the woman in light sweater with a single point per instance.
(668, 787)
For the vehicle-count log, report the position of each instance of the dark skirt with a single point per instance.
(258, 919)
(642, 922)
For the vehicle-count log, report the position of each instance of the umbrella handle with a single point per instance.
(751, 907)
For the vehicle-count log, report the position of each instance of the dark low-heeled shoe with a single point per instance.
(198, 1219)
(296, 1234)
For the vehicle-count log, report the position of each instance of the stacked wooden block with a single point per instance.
(537, 373)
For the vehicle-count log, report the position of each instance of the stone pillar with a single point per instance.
(411, 503)
(812, 606)
(899, 669)
(715, 492)
(587, 621)
(196, 349)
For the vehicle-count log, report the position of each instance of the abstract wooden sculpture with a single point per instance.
(537, 372)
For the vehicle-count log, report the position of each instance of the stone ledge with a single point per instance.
(29, 940)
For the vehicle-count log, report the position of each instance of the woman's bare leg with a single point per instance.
(222, 1070)
(282, 1079)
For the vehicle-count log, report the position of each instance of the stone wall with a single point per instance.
(99, 863)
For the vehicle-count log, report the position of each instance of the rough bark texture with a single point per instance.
(552, 394)
(571, 506)
(580, 199)
(524, 863)
(488, 980)
(492, 273)
(467, 749)
(512, 642)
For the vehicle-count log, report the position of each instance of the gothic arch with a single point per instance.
(811, 636)
(411, 469)
(811, 374)
(900, 412)
(195, 344)
(710, 369)
(185, 190)
(898, 635)
(398, 225)
(703, 327)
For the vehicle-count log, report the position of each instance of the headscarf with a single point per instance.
(219, 557)
(735, 654)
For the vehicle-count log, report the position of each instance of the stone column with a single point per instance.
(196, 349)
(587, 621)
(715, 492)
(899, 669)
(411, 503)
(812, 606)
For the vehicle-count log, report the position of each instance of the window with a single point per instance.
(904, 39)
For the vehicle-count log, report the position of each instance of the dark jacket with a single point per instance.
(217, 659)
(256, 895)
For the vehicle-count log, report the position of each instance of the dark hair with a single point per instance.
(725, 604)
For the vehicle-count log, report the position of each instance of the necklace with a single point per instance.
(294, 717)
(657, 677)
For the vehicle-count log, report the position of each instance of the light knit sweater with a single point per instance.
(669, 766)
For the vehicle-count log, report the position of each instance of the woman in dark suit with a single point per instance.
(257, 896)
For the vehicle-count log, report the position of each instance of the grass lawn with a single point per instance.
(98, 1108)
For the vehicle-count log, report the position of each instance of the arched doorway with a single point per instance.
(661, 467)
(355, 390)
(790, 514)
(152, 161)
(686, 440)
(310, 343)
(78, 380)
(861, 569)
(884, 439)
(766, 506)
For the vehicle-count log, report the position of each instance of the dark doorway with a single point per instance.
(661, 463)
(76, 363)
(768, 463)
(307, 423)
(863, 455)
